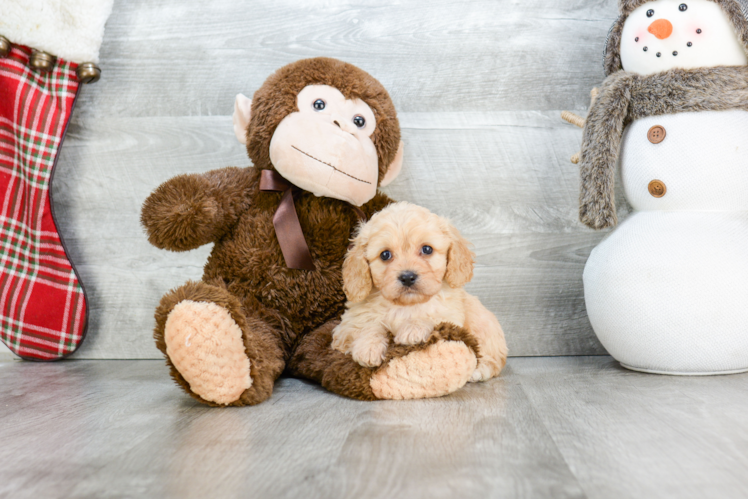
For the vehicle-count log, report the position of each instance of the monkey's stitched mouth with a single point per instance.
(331, 166)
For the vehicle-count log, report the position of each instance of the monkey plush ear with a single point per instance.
(395, 166)
(242, 113)
(357, 281)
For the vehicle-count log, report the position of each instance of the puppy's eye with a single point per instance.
(427, 250)
(683, 7)
(386, 255)
(359, 121)
(650, 13)
(319, 105)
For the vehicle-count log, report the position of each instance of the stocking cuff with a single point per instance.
(69, 29)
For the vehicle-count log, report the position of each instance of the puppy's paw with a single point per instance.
(414, 333)
(481, 373)
(369, 352)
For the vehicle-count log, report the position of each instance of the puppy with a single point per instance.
(403, 275)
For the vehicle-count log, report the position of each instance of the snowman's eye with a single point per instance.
(650, 13)
(683, 7)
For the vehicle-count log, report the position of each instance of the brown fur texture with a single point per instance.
(625, 97)
(737, 11)
(278, 309)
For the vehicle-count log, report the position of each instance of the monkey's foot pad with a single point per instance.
(440, 369)
(205, 345)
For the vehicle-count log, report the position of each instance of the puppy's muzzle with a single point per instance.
(408, 278)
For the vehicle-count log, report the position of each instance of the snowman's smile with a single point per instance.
(662, 29)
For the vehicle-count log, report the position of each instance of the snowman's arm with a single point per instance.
(600, 144)
(192, 210)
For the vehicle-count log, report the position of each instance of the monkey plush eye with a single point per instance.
(650, 13)
(319, 105)
(386, 255)
(427, 250)
(683, 7)
(359, 121)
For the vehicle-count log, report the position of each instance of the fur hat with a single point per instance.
(736, 10)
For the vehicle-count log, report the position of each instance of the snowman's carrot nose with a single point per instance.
(662, 28)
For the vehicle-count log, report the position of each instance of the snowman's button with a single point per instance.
(657, 188)
(656, 134)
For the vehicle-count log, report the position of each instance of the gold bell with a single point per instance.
(88, 73)
(42, 61)
(4, 46)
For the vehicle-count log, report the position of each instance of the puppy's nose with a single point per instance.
(408, 278)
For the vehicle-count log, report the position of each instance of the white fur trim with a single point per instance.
(69, 29)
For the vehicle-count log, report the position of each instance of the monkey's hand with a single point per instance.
(189, 211)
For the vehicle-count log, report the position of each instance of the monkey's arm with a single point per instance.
(438, 367)
(189, 211)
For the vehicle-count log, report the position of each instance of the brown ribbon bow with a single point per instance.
(286, 222)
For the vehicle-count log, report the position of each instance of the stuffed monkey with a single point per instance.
(323, 135)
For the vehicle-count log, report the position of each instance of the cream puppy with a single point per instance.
(403, 276)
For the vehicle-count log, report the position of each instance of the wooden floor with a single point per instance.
(549, 427)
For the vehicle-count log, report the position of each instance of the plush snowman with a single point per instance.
(667, 290)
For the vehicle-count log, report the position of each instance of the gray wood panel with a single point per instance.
(191, 58)
(548, 427)
(479, 88)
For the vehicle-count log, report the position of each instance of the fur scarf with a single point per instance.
(625, 97)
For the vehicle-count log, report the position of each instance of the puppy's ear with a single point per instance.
(356, 274)
(460, 259)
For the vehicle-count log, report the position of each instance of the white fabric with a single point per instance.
(716, 45)
(667, 291)
(703, 161)
(69, 29)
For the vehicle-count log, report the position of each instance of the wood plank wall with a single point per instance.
(479, 86)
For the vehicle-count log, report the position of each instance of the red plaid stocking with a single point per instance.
(42, 304)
